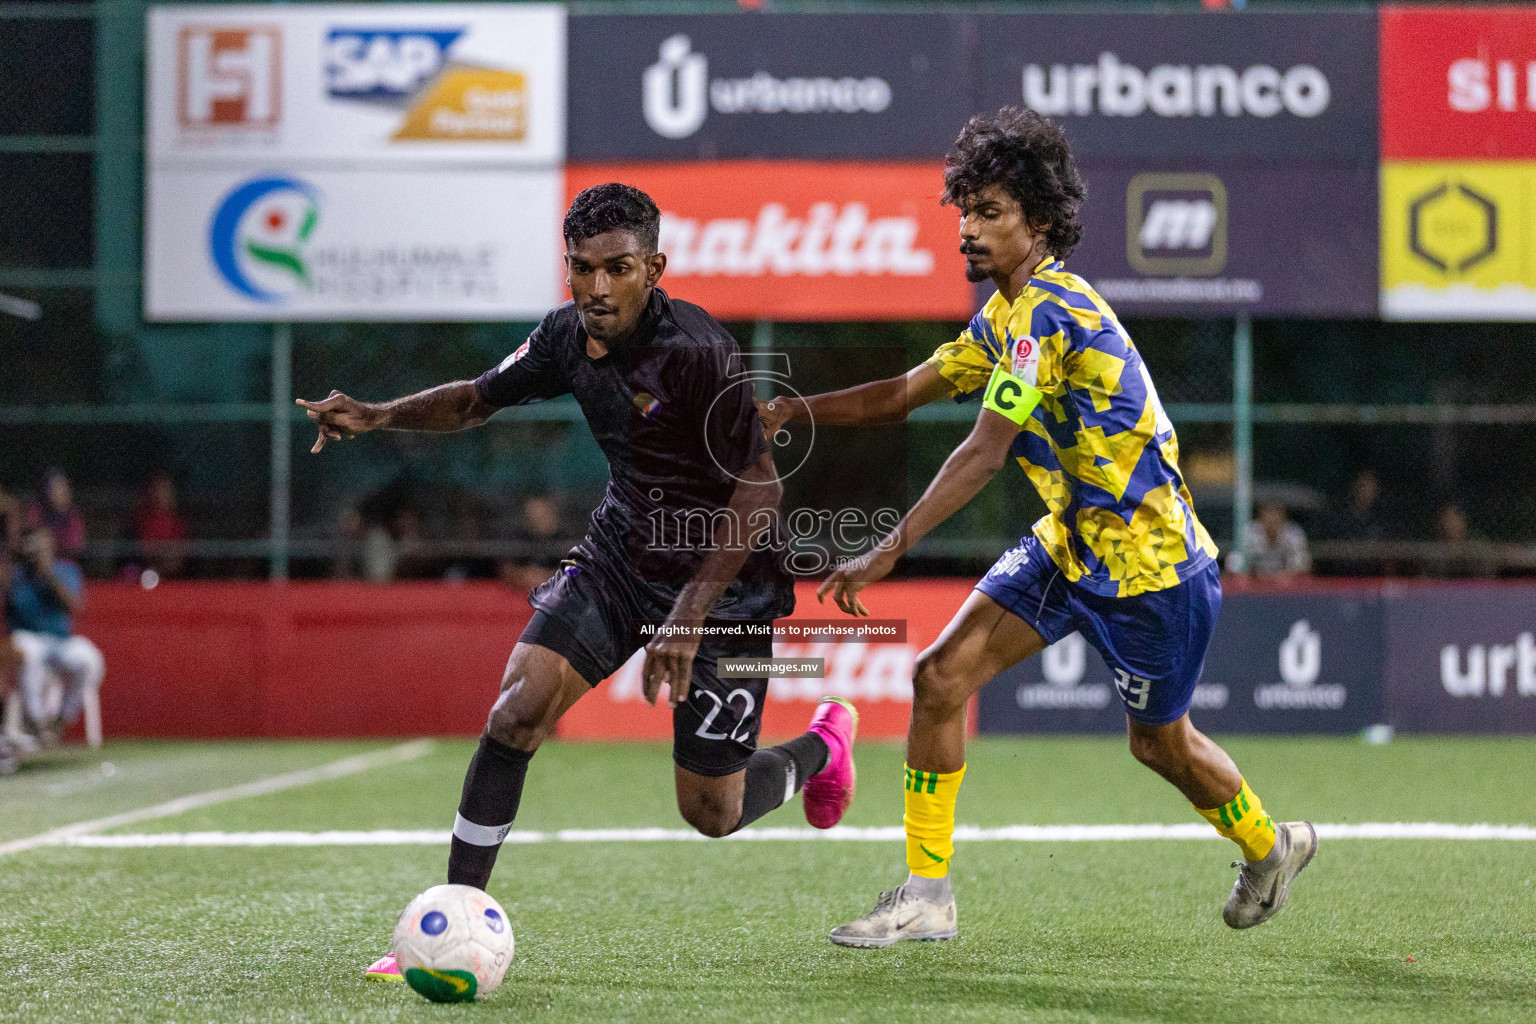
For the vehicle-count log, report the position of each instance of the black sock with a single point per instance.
(776, 773)
(493, 786)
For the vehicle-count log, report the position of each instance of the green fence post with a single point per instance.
(282, 448)
(1242, 436)
(119, 101)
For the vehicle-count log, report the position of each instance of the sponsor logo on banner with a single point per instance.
(1063, 665)
(1458, 82)
(677, 93)
(803, 241)
(1485, 670)
(229, 78)
(410, 69)
(1298, 87)
(1176, 224)
(258, 237)
(1301, 662)
(1113, 88)
(1458, 240)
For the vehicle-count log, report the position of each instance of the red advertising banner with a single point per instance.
(877, 677)
(802, 240)
(1458, 83)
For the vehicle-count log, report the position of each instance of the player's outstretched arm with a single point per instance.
(443, 408)
(963, 475)
(754, 504)
(881, 401)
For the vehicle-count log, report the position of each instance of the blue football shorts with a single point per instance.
(1154, 643)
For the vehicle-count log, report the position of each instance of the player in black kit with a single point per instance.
(660, 385)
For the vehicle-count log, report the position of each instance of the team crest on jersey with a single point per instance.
(1026, 357)
(647, 404)
(522, 350)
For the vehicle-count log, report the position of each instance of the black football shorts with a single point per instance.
(585, 617)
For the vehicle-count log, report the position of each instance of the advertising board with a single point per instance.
(718, 86)
(403, 83)
(801, 240)
(375, 245)
(1218, 238)
(1291, 86)
(1277, 664)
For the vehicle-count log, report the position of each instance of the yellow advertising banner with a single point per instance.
(1458, 240)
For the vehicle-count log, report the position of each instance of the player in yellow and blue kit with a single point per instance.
(1120, 555)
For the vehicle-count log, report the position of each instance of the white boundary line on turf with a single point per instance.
(965, 833)
(67, 834)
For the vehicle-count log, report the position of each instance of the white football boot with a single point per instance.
(1264, 885)
(900, 915)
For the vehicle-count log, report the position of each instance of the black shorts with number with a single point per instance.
(585, 616)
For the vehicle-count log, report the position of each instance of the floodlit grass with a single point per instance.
(736, 932)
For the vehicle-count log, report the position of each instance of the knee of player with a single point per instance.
(708, 816)
(936, 683)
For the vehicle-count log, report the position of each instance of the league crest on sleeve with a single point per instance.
(522, 350)
(1025, 352)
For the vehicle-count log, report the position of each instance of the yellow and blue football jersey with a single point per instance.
(1099, 447)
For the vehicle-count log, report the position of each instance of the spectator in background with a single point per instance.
(1359, 516)
(10, 522)
(1277, 547)
(543, 542)
(40, 604)
(55, 512)
(10, 661)
(1462, 553)
(159, 528)
(348, 540)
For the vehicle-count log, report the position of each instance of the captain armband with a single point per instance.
(1010, 397)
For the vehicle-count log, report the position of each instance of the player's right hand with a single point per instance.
(774, 413)
(338, 417)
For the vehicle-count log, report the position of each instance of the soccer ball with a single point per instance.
(453, 944)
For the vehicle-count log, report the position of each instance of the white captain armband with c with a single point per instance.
(1010, 397)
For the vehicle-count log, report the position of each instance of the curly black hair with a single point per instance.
(1027, 155)
(613, 207)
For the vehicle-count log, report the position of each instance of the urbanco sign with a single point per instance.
(783, 85)
(1299, 87)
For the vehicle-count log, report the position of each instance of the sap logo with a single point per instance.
(229, 78)
(384, 64)
(1301, 662)
(1175, 90)
(1475, 84)
(1176, 224)
(677, 95)
(1063, 665)
(1487, 668)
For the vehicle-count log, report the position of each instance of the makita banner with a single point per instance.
(1277, 664)
(1221, 238)
(1462, 659)
(796, 240)
(1289, 86)
(713, 86)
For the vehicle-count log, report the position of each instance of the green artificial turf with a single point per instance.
(736, 932)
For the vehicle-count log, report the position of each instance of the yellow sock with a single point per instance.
(1242, 820)
(930, 820)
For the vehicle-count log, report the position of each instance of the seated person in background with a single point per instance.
(10, 664)
(39, 605)
(1463, 554)
(159, 527)
(543, 541)
(1277, 547)
(56, 512)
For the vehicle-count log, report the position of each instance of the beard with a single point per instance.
(974, 273)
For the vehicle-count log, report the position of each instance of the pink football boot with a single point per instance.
(829, 792)
(385, 969)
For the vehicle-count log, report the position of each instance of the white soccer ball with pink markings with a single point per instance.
(454, 944)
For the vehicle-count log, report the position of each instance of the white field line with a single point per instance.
(67, 834)
(964, 833)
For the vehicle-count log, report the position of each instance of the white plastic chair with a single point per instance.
(90, 710)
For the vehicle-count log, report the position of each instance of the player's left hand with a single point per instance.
(669, 659)
(853, 576)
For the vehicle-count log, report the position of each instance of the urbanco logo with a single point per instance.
(1175, 90)
(1063, 665)
(1301, 663)
(677, 93)
(258, 235)
(1487, 668)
